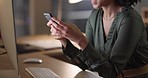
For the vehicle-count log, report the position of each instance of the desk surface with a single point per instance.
(5, 63)
(61, 68)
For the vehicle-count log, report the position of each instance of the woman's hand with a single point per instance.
(67, 31)
(54, 32)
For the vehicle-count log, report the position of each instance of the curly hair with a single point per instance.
(128, 2)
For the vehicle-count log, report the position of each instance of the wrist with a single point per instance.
(82, 42)
(63, 42)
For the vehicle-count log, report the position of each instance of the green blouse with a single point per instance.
(125, 46)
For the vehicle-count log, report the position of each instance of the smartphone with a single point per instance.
(48, 16)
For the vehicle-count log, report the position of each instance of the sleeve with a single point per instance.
(128, 37)
(71, 52)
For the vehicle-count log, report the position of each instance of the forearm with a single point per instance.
(72, 53)
(82, 42)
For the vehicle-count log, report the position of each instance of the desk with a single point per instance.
(42, 42)
(61, 68)
(5, 63)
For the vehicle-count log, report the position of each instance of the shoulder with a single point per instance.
(95, 15)
(130, 18)
(129, 14)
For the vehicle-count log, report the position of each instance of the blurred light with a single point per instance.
(74, 1)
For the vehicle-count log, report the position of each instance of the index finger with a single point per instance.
(57, 21)
(49, 23)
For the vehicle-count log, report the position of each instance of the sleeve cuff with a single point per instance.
(70, 50)
(89, 56)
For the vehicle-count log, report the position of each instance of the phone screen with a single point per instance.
(48, 16)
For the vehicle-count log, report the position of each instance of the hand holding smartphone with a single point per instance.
(48, 16)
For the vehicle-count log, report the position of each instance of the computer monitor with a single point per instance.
(7, 29)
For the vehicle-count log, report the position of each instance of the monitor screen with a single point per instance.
(8, 36)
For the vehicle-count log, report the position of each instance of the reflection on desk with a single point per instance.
(34, 43)
(45, 44)
(39, 41)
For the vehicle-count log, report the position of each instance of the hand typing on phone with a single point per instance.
(64, 32)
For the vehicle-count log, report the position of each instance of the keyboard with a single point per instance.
(38, 72)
